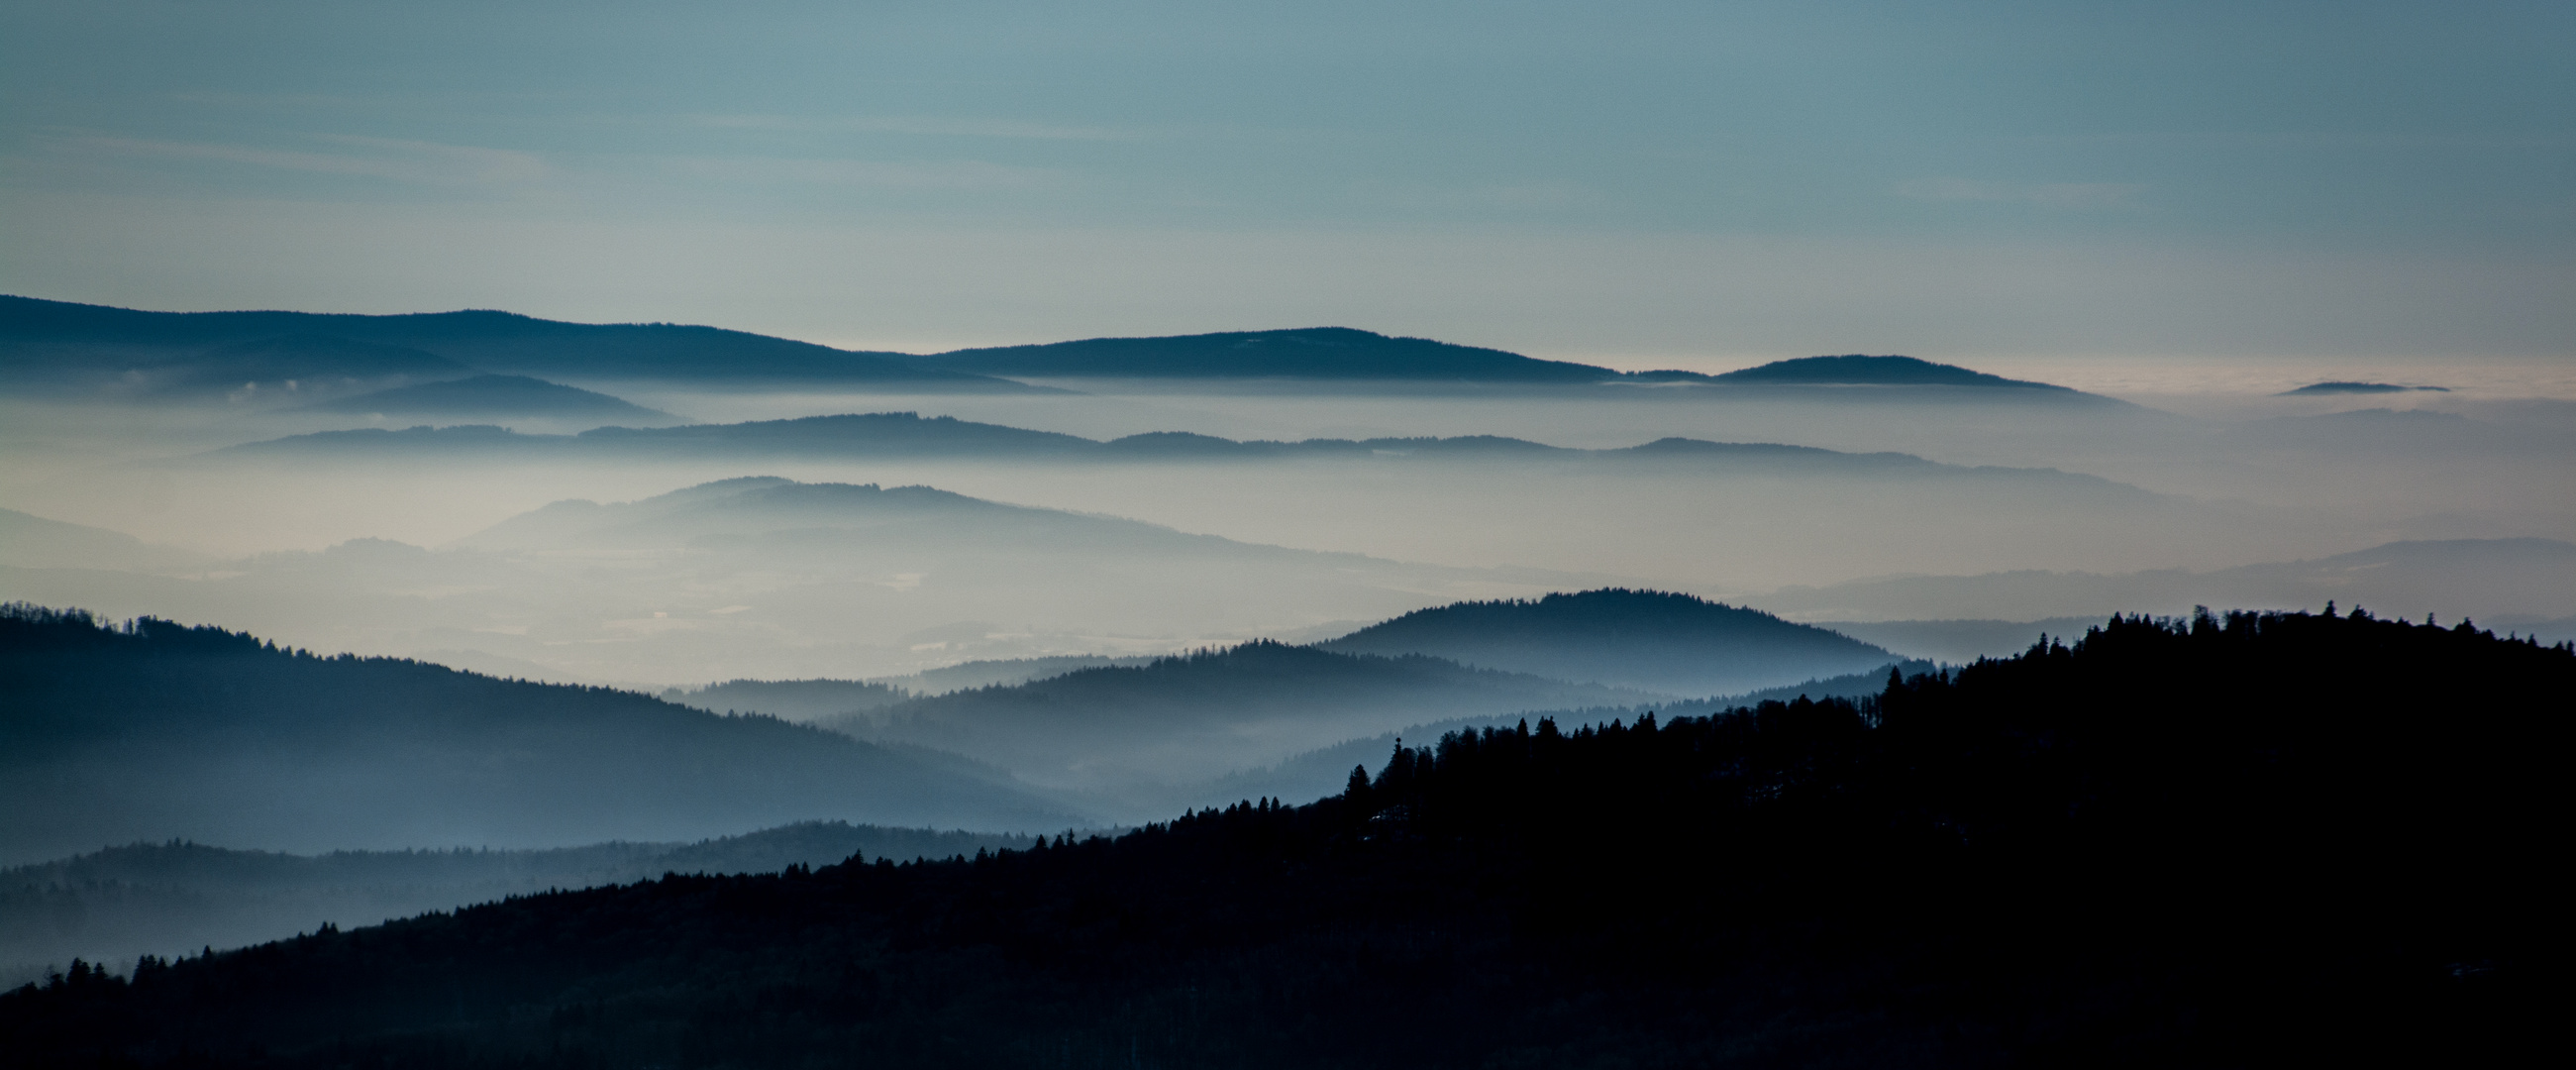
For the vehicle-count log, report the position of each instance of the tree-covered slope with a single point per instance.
(155, 731)
(1655, 640)
(2251, 841)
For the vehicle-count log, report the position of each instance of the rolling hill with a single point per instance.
(1652, 640)
(155, 731)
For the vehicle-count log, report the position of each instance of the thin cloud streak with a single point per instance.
(943, 126)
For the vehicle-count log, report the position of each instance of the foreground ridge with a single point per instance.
(2224, 839)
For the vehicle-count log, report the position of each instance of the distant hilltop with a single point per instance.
(1310, 353)
(1857, 370)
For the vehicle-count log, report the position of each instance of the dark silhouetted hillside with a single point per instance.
(155, 731)
(1658, 641)
(495, 396)
(2251, 840)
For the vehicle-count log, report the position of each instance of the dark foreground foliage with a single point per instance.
(2257, 840)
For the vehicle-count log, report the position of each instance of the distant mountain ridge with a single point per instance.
(910, 435)
(1654, 640)
(771, 505)
(1344, 353)
(46, 341)
(49, 340)
(772, 579)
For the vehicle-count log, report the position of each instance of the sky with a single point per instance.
(1635, 183)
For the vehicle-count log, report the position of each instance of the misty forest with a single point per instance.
(1625, 535)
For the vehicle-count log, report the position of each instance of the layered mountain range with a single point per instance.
(910, 436)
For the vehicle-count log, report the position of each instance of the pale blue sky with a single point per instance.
(1654, 182)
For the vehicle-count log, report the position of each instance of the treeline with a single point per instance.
(2250, 840)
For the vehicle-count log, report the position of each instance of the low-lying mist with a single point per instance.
(661, 562)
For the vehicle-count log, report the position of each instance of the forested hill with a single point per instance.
(156, 731)
(1657, 640)
(2257, 840)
